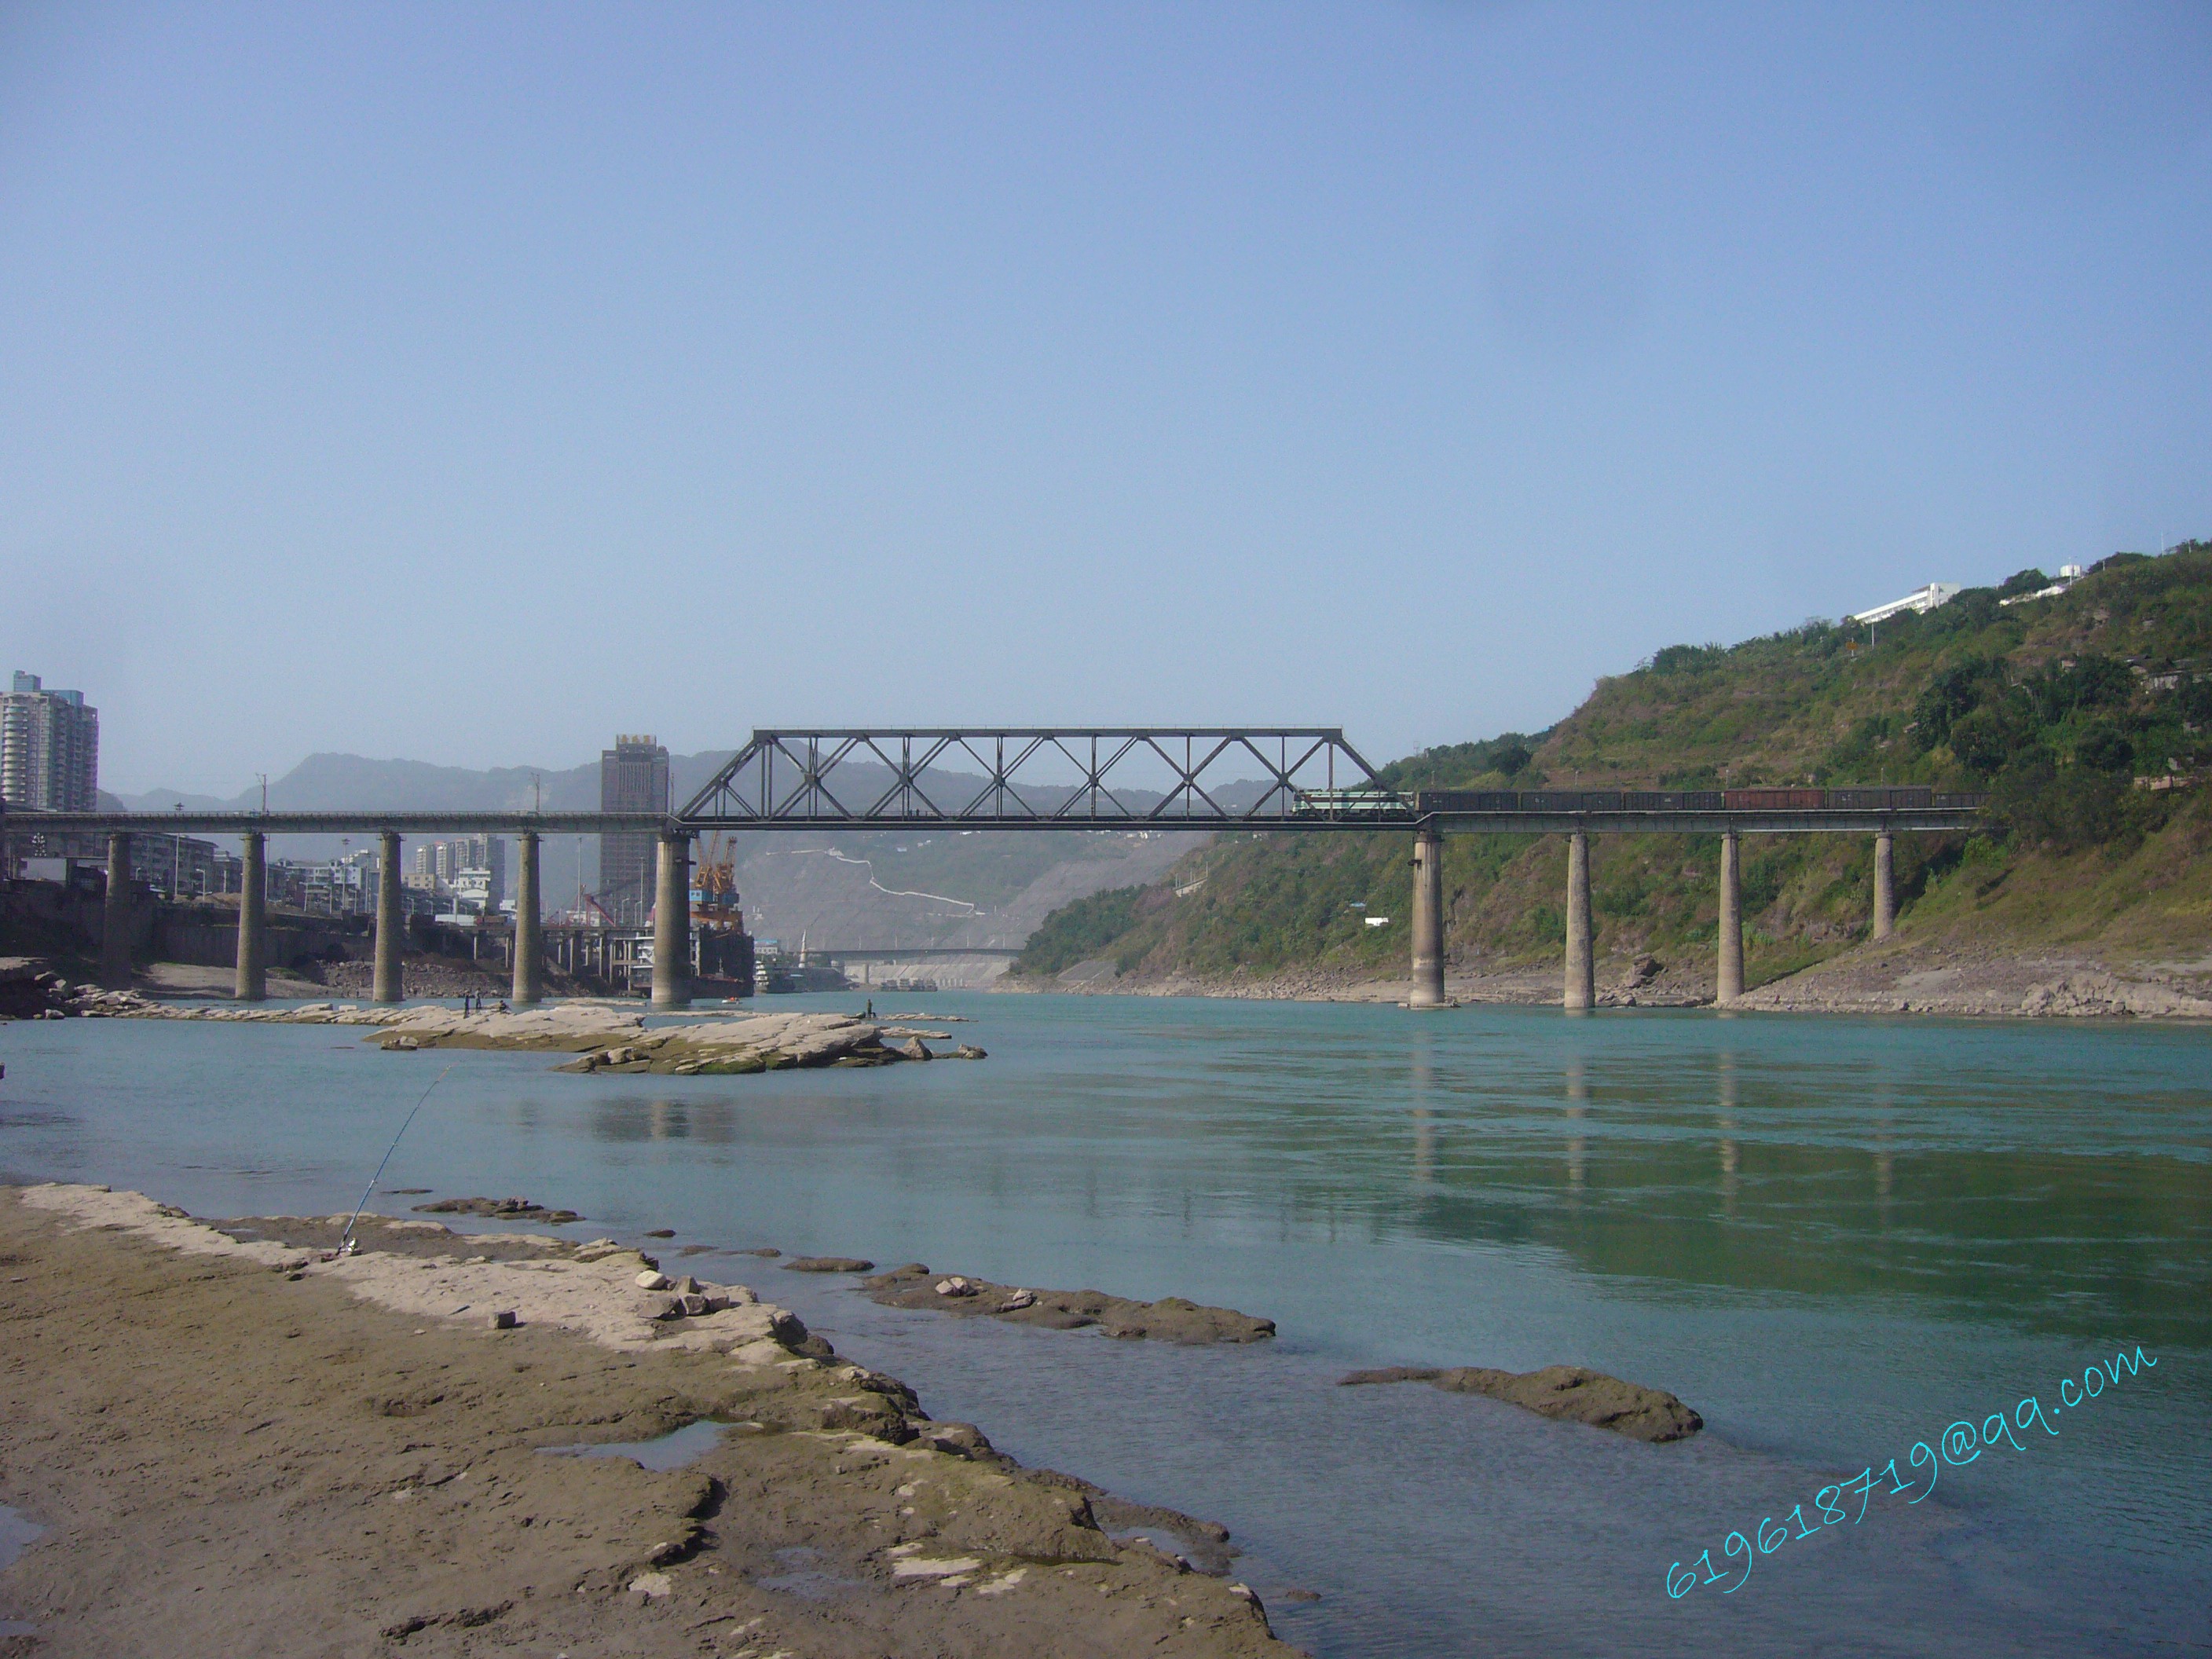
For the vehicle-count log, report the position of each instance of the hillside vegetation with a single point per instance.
(2056, 706)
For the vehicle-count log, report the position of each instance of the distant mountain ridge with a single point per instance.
(330, 781)
(327, 782)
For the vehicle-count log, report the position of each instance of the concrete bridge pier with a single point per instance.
(1885, 886)
(1428, 990)
(1582, 967)
(1730, 986)
(672, 924)
(115, 915)
(529, 934)
(391, 917)
(253, 982)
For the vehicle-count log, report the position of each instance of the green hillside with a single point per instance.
(2056, 706)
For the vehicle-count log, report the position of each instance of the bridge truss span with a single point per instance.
(1046, 778)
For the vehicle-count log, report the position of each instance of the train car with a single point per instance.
(1348, 803)
(1774, 801)
(1467, 800)
(1671, 800)
(1889, 799)
(1570, 801)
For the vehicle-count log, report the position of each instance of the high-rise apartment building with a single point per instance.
(480, 869)
(441, 866)
(633, 778)
(49, 748)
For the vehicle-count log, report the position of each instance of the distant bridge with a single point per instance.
(1088, 778)
(908, 952)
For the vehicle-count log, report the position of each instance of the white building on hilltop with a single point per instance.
(2068, 575)
(1921, 600)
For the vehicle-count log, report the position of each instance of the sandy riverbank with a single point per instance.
(238, 1446)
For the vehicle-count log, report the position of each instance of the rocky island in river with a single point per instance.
(600, 1036)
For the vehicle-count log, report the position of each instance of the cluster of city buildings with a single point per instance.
(464, 880)
(50, 762)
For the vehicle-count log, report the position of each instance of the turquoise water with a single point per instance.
(1833, 1237)
(16, 1536)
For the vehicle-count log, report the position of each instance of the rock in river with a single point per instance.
(1170, 1319)
(1573, 1393)
(604, 1039)
(500, 1209)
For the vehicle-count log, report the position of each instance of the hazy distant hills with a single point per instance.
(942, 887)
(328, 782)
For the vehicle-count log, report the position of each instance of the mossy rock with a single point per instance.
(741, 1066)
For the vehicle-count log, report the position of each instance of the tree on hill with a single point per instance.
(1505, 760)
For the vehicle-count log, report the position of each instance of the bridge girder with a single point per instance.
(789, 778)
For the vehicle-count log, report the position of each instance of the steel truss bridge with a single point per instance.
(1041, 778)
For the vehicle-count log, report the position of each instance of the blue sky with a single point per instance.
(470, 383)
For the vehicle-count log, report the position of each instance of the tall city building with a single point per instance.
(49, 748)
(480, 866)
(633, 778)
(476, 865)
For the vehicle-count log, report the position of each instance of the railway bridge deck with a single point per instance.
(1309, 780)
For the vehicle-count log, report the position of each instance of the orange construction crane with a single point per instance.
(714, 886)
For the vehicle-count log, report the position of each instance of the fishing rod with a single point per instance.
(346, 1240)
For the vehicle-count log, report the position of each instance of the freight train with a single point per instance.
(1884, 798)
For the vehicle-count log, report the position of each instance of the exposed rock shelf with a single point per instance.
(367, 1480)
(500, 1209)
(1172, 1319)
(1570, 1392)
(602, 1036)
(603, 1040)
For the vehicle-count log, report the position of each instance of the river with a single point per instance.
(1834, 1237)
